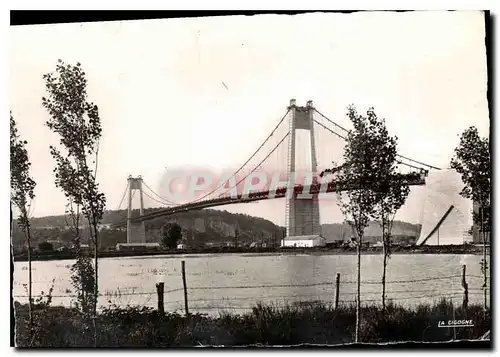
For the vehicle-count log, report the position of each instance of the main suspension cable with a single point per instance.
(123, 197)
(401, 156)
(256, 167)
(154, 199)
(159, 197)
(246, 162)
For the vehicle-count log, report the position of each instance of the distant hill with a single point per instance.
(199, 227)
(342, 231)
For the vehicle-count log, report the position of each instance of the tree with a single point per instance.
(78, 124)
(236, 233)
(358, 174)
(391, 195)
(172, 233)
(391, 188)
(472, 161)
(22, 188)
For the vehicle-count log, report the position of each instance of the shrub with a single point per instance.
(45, 247)
(311, 322)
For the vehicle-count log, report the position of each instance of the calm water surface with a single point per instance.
(235, 282)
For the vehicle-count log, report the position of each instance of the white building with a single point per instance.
(100, 227)
(304, 241)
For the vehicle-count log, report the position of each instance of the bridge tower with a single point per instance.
(136, 233)
(302, 215)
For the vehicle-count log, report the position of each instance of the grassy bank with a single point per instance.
(266, 325)
(452, 249)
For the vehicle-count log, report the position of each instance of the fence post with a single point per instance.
(466, 288)
(337, 288)
(185, 287)
(160, 289)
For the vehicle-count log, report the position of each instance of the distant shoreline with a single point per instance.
(457, 249)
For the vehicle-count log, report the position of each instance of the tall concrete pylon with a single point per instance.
(136, 232)
(302, 215)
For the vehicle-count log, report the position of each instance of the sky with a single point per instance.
(206, 91)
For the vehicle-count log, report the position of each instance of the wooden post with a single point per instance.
(183, 265)
(160, 289)
(466, 288)
(337, 289)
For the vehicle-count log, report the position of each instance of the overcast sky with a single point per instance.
(207, 91)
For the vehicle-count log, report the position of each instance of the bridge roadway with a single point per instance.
(411, 179)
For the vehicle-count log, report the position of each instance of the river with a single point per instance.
(235, 282)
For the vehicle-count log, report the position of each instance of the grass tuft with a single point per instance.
(306, 322)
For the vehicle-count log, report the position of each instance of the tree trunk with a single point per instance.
(384, 264)
(30, 282)
(96, 282)
(384, 270)
(27, 234)
(96, 274)
(358, 299)
(484, 258)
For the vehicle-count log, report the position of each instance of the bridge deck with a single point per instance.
(254, 196)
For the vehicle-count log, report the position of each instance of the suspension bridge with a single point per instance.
(304, 139)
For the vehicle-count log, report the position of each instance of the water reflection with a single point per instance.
(235, 282)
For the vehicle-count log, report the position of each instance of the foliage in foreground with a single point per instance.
(472, 160)
(22, 188)
(266, 325)
(77, 123)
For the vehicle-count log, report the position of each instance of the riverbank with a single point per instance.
(451, 249)
(265, 325)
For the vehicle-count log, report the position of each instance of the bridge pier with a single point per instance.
(302, 215)
(136, 232)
